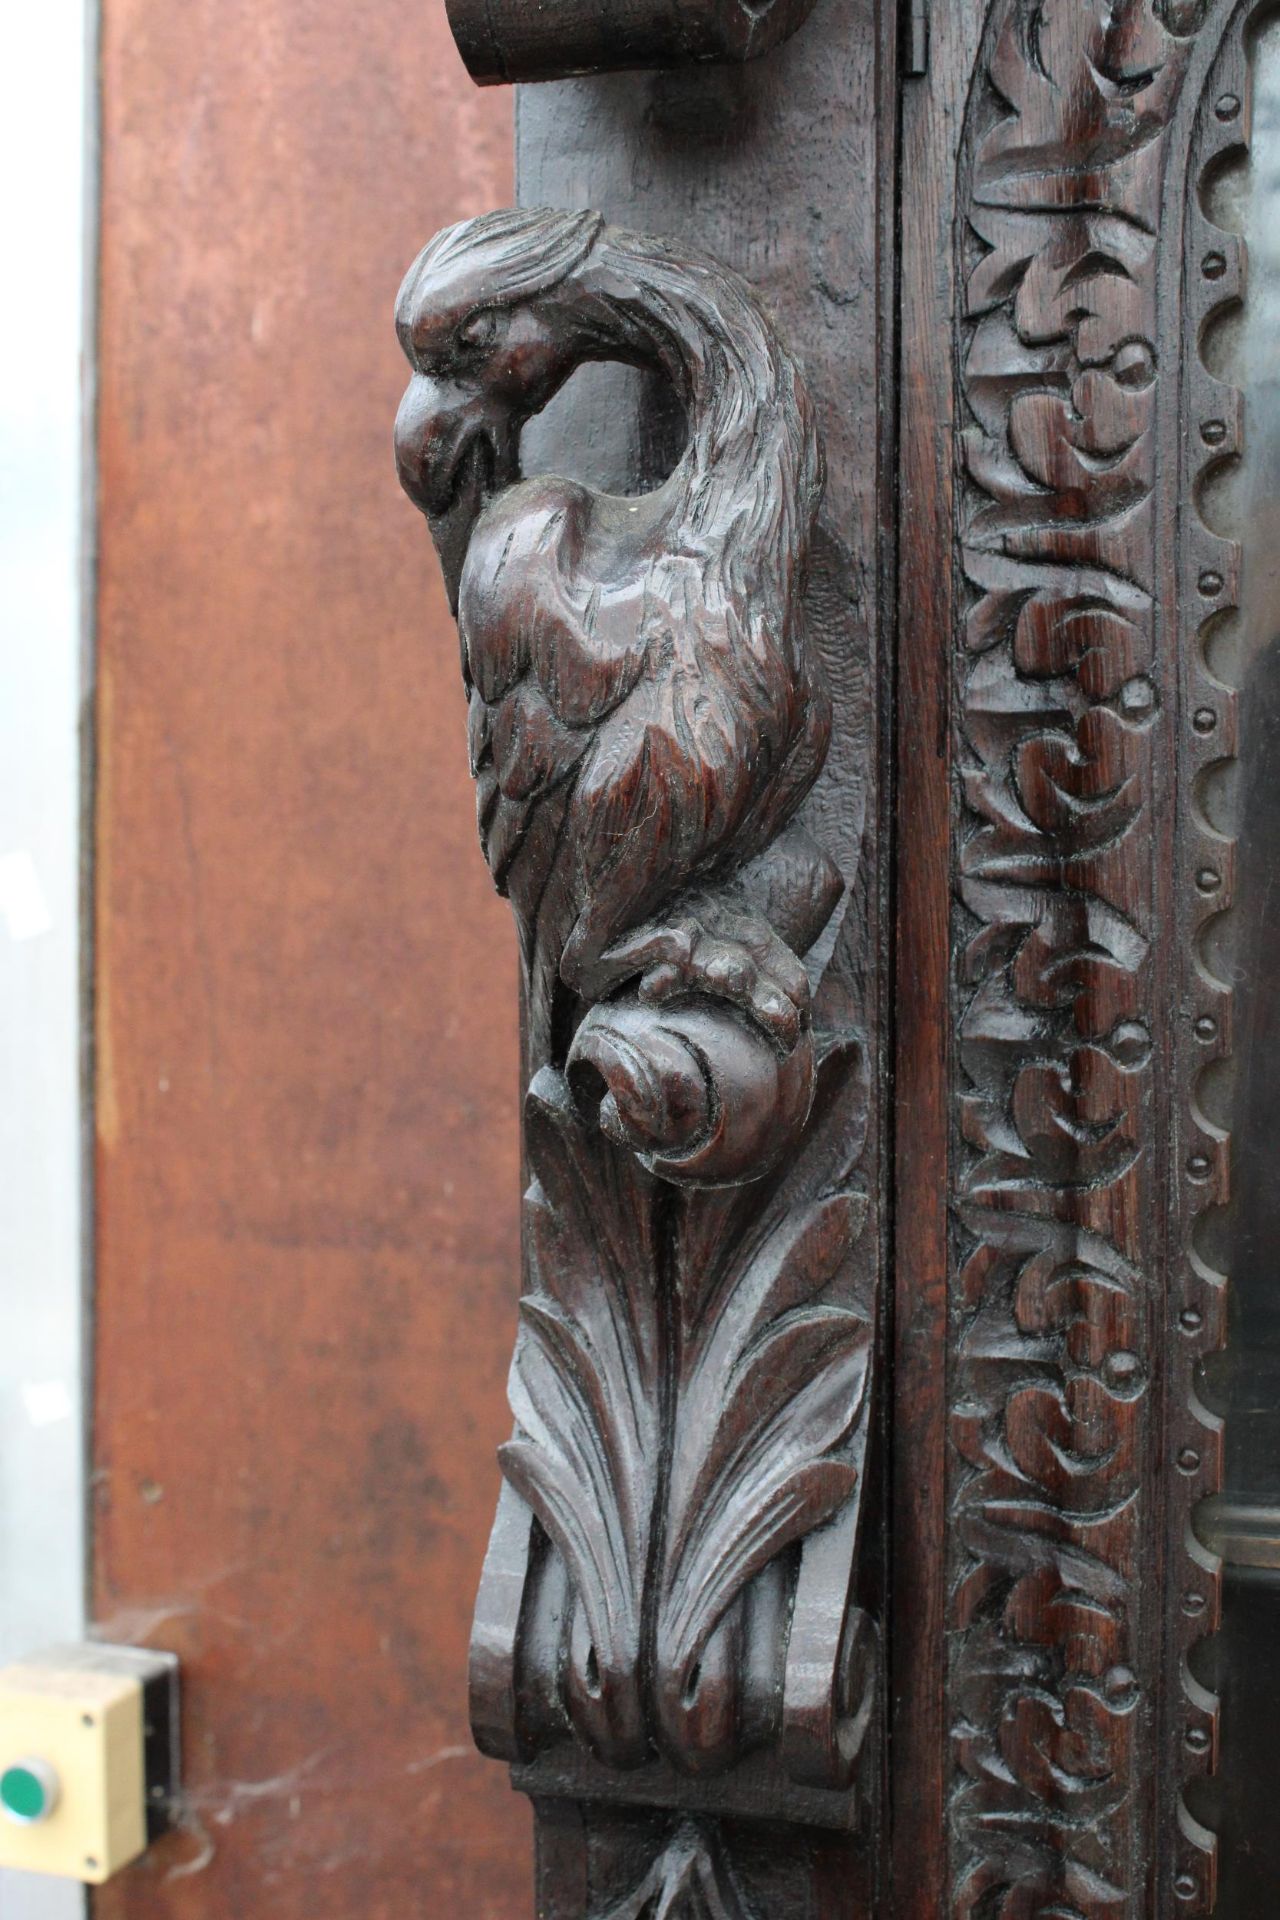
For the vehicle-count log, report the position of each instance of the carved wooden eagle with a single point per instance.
(645, 714)
(646, 717)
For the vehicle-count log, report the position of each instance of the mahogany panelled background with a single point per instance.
(305, 990)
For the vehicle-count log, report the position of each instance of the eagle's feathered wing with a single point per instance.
(627, 738)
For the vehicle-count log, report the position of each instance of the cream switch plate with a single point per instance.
(88, 1758)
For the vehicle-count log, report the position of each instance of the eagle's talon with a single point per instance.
(730, 974)
(725, 955)
(781, 1017)
(661, 983)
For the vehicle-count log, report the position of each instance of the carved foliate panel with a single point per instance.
(1086, 1005)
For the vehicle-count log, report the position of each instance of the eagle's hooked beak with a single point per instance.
(455, 448)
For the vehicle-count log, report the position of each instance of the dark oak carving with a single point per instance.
(668, 1588)
(645, 715)
(506, 40)
(1085, 1009)
(674, 1644)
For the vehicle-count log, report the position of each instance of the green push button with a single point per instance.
(28, 1792)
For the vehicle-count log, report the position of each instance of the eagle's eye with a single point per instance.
(479, 329)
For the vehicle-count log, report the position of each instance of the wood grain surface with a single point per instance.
(307, 1178)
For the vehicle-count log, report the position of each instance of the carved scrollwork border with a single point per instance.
(1085, 1010)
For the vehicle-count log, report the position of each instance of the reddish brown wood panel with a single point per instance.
(307, 1175)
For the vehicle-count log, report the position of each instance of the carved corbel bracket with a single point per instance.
(503, 41)
(666, 1617)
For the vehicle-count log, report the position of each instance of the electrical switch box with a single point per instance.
(88, 1758)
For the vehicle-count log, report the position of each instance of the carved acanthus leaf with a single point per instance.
(785, 1368)
(688, 1881)
(584, 1386)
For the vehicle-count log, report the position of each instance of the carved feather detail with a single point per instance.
(646, 712)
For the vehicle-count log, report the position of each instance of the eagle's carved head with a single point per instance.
(489, 342)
